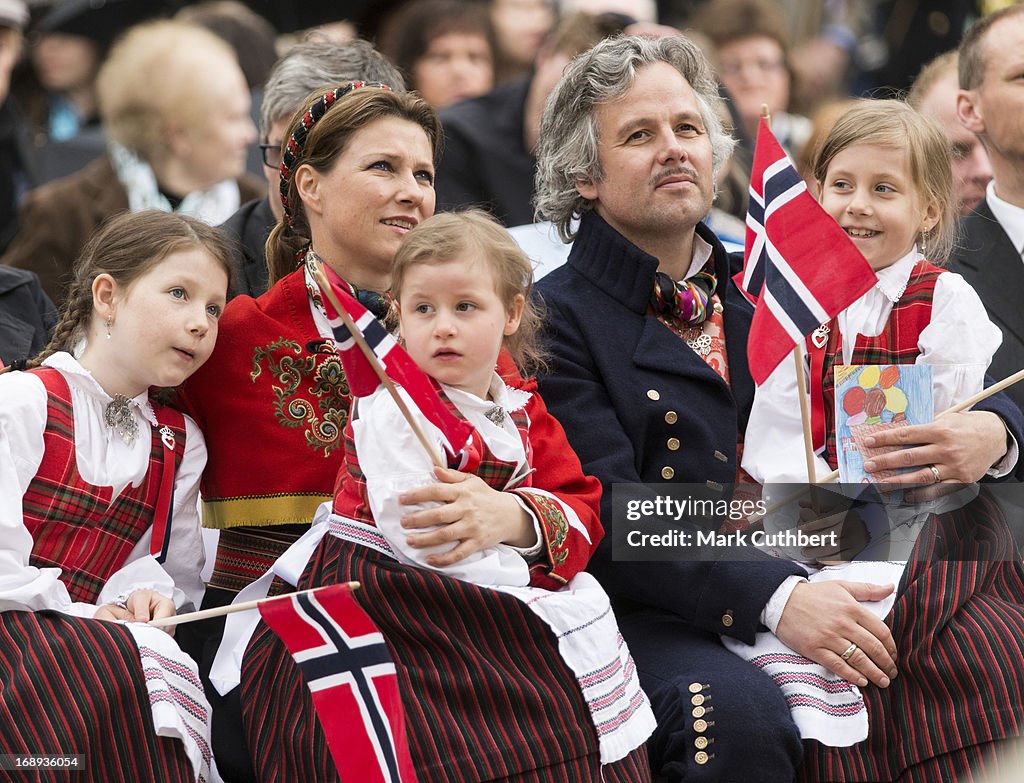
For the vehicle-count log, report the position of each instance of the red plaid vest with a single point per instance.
(897, 344)
(74, 525)
(351, 500)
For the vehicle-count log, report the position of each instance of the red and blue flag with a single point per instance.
(800, 268)
(347, 666)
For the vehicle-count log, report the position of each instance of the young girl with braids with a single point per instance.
(98, 508)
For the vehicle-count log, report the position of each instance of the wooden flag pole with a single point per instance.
(220, 611)
(371, 357)
(805, 414)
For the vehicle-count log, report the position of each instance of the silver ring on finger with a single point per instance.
(935, 472)
(848, 652)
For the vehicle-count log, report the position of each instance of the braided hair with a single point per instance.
(318, 134)
(126, 247)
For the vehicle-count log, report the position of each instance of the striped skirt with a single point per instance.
(74, 686)
(958, 622)
(486, 694)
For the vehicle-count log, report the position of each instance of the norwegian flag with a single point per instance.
(800, 267)
(399, 366)
(348, 668)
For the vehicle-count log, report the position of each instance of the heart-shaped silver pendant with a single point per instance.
(820, 336)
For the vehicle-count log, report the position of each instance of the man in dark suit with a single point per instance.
(629, 143)
(990, 252)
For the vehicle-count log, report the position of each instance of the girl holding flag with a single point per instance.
(884, 175)
(461, 287)
(98, 510)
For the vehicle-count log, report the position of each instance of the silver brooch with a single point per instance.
(118, 416)
(699, 342)
(496, 415)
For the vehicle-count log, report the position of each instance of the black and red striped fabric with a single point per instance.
(958, 623)
(70, 685)
(486, 694)
(74, 524)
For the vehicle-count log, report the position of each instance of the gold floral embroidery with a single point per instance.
(554, 523)
(322, 377)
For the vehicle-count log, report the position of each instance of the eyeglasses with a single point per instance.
(271, 154)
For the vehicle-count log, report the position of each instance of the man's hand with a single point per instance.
(961, 447)
(821, 620)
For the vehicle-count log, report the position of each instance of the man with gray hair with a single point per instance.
(307, 67)
(649, 378)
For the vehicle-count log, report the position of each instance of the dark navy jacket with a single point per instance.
(626, 389)
(987, 259)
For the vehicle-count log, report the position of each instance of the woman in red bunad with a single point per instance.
(487, 694)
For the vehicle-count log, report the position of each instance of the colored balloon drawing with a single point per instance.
(875, 394)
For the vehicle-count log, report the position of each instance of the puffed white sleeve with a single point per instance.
(773, 444)
(393, 461)
(22, 422)
(959, 342)
(179, 576)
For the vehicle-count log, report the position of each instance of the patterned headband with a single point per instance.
(297, 140)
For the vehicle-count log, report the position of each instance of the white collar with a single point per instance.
(701, 254)
(500, 394)
(892, 281)
(1010, 216)
(84, 380)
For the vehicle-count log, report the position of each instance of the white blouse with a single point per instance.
(103, 460)
(958, 342)
(394, 462)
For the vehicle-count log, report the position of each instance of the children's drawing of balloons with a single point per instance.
(896, 399)
(853, 400)
(874, 402)
(889, 376)
(869, 377)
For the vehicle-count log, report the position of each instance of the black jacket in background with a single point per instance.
(484, 162)
(249, 227)
(27, 315)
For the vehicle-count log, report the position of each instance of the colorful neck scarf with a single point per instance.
(687, 300)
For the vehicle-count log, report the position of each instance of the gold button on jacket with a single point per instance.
(727, 619)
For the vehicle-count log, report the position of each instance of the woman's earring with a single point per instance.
(110, 322)
(924, 242)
